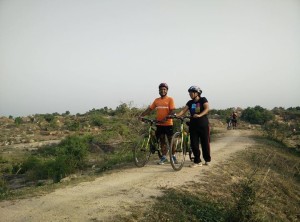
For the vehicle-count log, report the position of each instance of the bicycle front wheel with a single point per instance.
(142, 150)
(178, 151)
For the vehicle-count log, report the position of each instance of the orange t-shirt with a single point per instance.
(163, 107)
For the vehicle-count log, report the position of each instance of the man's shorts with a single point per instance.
(162, 130)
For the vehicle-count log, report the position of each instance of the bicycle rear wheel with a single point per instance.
(177, 152)
(142, 150)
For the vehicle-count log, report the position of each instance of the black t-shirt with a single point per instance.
(196, 108)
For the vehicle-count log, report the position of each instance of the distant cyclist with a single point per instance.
(234, 119)
(199, 125)
(164, 106)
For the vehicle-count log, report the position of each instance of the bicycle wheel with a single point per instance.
(177, 152)
(229, 125)
(142, 150)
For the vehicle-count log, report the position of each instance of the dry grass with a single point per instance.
(261, 183)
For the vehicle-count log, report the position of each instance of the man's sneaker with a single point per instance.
(174, 159)
(196, 165)
(162, 160)
(206, 164)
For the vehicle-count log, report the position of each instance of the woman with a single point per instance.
(199, 125)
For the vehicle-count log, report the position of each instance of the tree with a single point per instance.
(257, 115)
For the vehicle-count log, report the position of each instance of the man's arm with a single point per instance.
(146, 112)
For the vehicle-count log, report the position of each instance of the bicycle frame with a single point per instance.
(179, 145)
(147, 144)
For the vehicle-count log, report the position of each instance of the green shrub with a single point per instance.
(223, 113)
(244, 195)
(257, 115)
(111, 160)
(61, 160)
(18, 120)
(73, 125)
(31, 163)
(49, 117)
(105, 137)
(34, 168)
(75, 148)
(278, 131)
(97, 120)
(59, 168)
(4, 190)
(121, 129)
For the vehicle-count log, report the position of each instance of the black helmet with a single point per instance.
(195, 89)
(163, 85)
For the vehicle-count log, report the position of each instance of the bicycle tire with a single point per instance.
(179, 147)
(142, 150)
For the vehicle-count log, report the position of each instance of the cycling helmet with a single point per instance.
(195, 89)
(163, 85)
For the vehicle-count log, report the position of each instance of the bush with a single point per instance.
(62, 159)
(257, 115)
(75, 148)
(49, 117)
(4, 191)
(59, 168)
(278, 131)
(18, 120)
(97, 120)
(34, 168)
(244, 195)
(224, 114)
(73, 125)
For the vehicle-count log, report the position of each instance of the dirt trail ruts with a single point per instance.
(119, 192)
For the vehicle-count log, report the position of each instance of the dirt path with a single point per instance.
(118, 192)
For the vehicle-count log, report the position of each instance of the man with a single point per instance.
(164, 106)
(234, 119)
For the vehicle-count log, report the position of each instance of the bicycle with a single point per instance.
(232, 124)
(147, 144)
(180, 145)
(229, 124)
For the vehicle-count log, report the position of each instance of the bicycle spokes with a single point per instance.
(142, 150)
(177, 154)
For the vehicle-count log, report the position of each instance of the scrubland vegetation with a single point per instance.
(267, 188)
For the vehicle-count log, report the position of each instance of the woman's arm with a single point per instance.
(183, 111)
(204, 112)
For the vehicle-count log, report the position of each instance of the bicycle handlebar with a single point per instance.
(152, 121)
(182, 118)
(147, 120)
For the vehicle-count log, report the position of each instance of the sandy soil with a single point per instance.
(119, 192)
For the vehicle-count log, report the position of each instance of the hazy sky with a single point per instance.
(76, 55)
